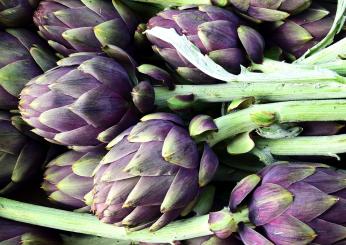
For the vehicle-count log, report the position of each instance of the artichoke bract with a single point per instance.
(287, 203)
(23, 56)
(14, 13)
(299, 33)
(217, 32)
(68, 178)
(72, 26)
(83, 102)
(21, 157)
(152, 173)
(15, 233)
(271, 10)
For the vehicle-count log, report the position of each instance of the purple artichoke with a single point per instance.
(68, 178)
(287, 203)
(72, 26)
(83, 102)
(299, 33)
(21, 158)
(23, 56)
(270, 10)
(217, 32)
(14, 13)
(15, 233)
(152, 172)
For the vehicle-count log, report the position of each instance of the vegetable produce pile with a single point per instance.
(187, 122)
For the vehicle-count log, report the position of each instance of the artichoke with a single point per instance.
(72, 26)
(217, 32)
(272, 10)
(299, 33)
(14, 233)
(14, 13)
(21, 157)
(23, 56)
(73, 103)
(287, 203)
(152, 173)
(68, 178)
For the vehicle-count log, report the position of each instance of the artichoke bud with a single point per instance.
(142, 181)
(16, 13)
(259, 11)
(20, 51)
(84, 26)
(216, 32)
(287, 203)
(68, 178)
(86, 92)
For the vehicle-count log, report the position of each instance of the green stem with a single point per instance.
(79, 239)
(293, 111)
(264, 91)
(268, 66)
(89, 224)
(304, 145)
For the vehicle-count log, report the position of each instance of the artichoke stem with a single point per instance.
(265, 90)
(291, 111)
(268, 65)
(89, 224)
(304, 145)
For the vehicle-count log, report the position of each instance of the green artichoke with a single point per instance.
(15, 233)
(286, 203)
(23, 56)
(299, 33)
(72, 26)
(21, 158)
(269, 10)
(68, 178)
(14, 13)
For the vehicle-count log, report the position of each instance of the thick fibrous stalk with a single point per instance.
(89, 224)
(261, 115)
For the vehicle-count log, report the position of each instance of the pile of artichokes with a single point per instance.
(188, 122)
